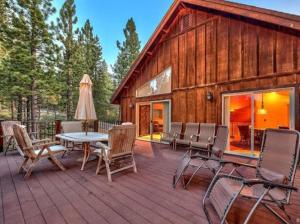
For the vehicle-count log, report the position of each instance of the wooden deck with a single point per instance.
(74, 196)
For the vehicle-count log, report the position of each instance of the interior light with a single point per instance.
(262, 110)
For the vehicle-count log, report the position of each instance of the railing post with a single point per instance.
(96, 126)
(57, 127)
(1, 137)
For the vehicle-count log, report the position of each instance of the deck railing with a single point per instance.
(48, 129)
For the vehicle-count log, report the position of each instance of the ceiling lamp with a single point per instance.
(262, 110)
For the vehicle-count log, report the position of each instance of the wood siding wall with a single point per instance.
(217, 53)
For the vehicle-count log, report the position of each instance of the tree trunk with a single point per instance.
(34, 107)
(69, 94)
(20, 107)
(12, 109)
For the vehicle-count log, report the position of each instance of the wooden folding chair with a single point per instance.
(34, 152)
(119, 150)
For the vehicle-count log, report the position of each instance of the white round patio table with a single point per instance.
(86, 139)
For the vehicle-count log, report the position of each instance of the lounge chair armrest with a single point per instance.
(211, 140)
(270, 184)
(177, 134)
(237, 164)
(193, 136)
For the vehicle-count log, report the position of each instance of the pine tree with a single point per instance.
(128, 51)
(90, 61)
(33, 30)
(66, 35)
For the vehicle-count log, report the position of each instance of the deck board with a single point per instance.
(74, 196)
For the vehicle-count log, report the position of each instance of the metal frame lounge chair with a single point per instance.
(34, 152)
(191, 129)
(212, 162)
(204, 139)
(169, 137)
(118, 151)
(274, 182)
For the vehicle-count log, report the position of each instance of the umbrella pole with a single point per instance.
(86, 127)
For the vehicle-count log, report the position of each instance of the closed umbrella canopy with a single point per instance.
(85, 107)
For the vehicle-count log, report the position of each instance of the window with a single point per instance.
(161, 84)
(249, 114)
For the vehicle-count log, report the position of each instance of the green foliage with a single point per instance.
(128, 51)
(42, 63)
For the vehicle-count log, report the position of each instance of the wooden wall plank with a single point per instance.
(200, 105)
(250, 43)
(160, 58)
(182, 61)
(222, 49)
(266, 50)
(200, 55)
(235, 50)
(167, 56)
(174, 62)
(297, 58)
(284, 52)
(210, 52)
(191, 67)
(191, 106)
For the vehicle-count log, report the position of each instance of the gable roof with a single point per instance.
(265, 15)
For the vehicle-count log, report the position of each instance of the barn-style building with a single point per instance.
(216, 61)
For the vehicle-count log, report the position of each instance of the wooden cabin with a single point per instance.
(216, 61)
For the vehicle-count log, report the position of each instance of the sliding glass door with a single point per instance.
(248, 114)
(153, 118)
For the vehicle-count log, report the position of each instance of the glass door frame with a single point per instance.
(252, 93)
(151, 115)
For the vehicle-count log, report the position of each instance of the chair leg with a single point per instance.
(56, 162)
(99, 164)
(256, 205)
(278, 216)
(7, 146)
(194, 173)
(134, 165)
(108, 170)
(23, 164)
(31, 166)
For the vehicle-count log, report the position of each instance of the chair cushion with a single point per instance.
(183, 141)
(202, 145)
(55, 149)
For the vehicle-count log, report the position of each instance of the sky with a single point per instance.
(109, 17)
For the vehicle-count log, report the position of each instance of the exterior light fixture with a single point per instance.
(209, 96)
(131, 105)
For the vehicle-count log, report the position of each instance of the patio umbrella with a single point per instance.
(85, 108)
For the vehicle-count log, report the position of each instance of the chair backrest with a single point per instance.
(220, 142)
(244, 131)
(207, 131)
(121, 139)
(176, 127)
(71, 126)
(279, 156)
(191, 129)
(7, 127)
(23, 140)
